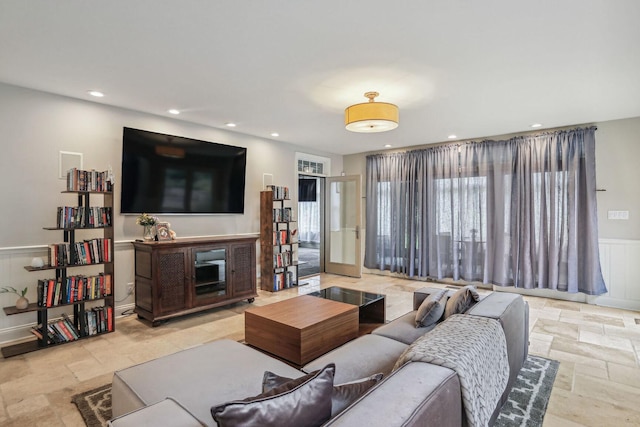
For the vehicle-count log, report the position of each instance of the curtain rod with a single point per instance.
(503, 137)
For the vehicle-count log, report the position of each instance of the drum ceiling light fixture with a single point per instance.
(371, 116)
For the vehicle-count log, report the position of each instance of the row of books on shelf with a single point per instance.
(92, 251)
(283, 259)
(282, 215)
(52, 292)
(92, 180)
(83, 217)
(57, 331)
(284, 280)
(279, 193)
(97, 320)
(284, 237)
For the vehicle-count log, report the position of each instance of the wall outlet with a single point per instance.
(129, 288)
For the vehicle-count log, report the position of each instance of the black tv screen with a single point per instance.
(172, 174)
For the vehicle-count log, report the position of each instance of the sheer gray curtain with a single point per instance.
(518, 212)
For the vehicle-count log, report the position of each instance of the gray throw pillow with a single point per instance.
(461, 301)
(342, 396)
(306, 404)
(431, 309)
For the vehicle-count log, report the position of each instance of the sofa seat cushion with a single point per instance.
(167, 413)
(360, 358)
(198, 378)
(403, 329)
(418, 394)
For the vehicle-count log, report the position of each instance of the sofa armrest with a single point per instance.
(512, 312)
(417, 394)
(167, 412)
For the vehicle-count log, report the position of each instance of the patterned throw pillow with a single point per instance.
(431, 309)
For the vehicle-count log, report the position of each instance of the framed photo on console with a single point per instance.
(163, 231)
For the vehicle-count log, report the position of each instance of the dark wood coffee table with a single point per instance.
(300, 329)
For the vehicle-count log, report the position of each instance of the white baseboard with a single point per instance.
(615, 303)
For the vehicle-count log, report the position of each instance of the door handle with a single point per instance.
(357, 232)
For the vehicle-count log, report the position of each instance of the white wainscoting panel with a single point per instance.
(620, 261)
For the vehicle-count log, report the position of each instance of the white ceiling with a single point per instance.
(466, 67)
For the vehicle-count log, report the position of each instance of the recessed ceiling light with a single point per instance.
(231, 125)
(536, 125)
(96, 93)
(275, 134)
(452, 137)
(173, 111)
(387, 145)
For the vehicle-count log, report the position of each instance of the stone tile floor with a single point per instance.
(598, 383)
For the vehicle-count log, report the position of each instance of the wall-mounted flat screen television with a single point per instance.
(164, 174)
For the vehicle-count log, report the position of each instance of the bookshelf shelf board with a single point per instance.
(34, 345)
(62, 267)
(76, 228)
(21, 348)
(86, 192)
(292, 263)
(13, 310)
(9, 311)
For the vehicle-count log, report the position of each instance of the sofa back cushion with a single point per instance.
(461, 301)
(342, 396)
(431, 309)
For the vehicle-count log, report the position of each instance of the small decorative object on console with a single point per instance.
(163, 231)
(148, 222)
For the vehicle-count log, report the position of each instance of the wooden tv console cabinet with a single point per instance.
(184, 276)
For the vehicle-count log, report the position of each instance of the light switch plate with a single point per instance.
(617, 214)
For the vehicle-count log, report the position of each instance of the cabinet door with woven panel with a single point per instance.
(171, 279)
(243, 268)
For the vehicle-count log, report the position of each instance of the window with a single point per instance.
(516, 212)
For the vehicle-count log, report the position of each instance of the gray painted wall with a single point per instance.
(618, 172)
(35, 126)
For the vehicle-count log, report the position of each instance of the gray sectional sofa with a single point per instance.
(180, 389)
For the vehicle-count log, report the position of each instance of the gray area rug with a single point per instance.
(529, 396)
(526, 404)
